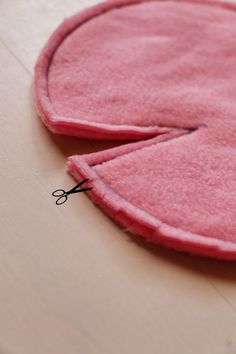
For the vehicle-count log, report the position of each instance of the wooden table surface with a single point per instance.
(71, 281)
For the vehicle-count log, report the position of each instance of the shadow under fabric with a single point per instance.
(162, 73)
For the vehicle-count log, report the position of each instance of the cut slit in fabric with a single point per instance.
(164, 71)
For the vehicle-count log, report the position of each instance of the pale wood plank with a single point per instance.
(70, 280)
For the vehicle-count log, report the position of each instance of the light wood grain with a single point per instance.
(71, 281)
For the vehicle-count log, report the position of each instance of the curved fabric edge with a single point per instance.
(82, 127)
(136, 220)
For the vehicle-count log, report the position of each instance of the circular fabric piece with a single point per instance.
(128, 69)
(140, 69)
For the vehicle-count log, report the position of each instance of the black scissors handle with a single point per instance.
(58, 193)
(62, 196)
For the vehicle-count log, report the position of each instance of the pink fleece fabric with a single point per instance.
(164, 71)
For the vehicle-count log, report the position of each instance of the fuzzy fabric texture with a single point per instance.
(164, 71)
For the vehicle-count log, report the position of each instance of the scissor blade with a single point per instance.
(81, 190)
(85, 189)
(74, 189)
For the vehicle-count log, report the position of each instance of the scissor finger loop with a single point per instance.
(58, 193)
(62, 199)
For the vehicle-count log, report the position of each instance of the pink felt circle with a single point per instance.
(137, 69)
(113, 71)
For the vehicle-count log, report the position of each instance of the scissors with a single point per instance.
(62, 195)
